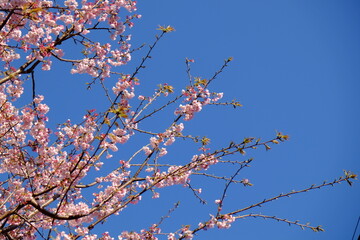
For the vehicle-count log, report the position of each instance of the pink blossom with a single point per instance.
(129, 235)
(38, 99)
(72, 4)
(147, 150)
(156, 195)
(186, 233)
(154, 142)
(162, 152)
(225, 222)
(170, 141)
(171, 236)
(179, 128)
(42, 108)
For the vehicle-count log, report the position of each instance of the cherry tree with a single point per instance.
(53, 182)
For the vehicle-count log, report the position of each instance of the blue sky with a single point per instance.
(295, 70)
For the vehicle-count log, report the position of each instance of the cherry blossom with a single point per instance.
(63, 182)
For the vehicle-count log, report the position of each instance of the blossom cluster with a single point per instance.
(38, 28)
(203, 161)
(223, 221)
(173, 176)
(195, 98)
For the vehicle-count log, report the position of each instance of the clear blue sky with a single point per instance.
(295, 70)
